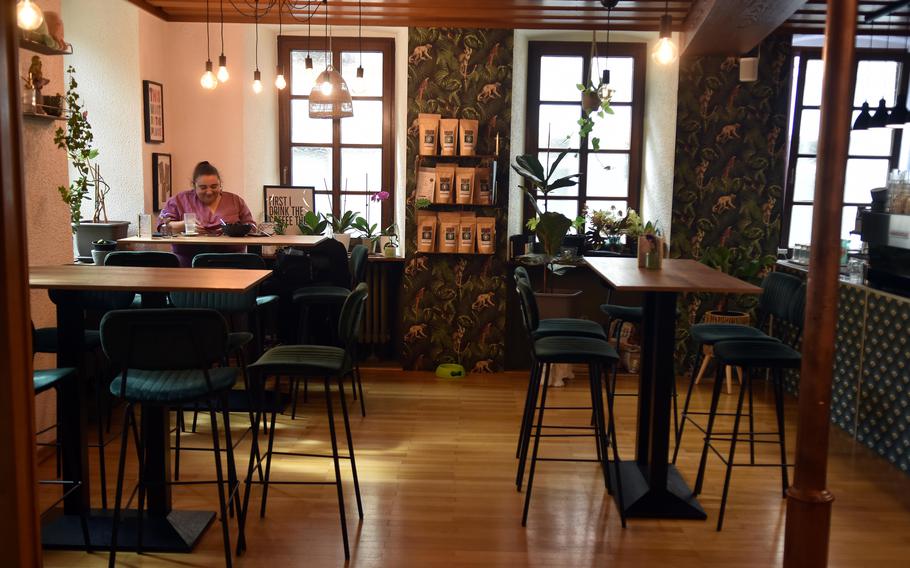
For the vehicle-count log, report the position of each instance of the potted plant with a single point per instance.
(340, 226)
(368, 232)
(550, 227)
(607, 229)
(313, 223)
(388, 240)
(732, 262)
(650, 247)
(595, 101)
(77, 140)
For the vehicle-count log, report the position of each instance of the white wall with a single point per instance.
(658, 148)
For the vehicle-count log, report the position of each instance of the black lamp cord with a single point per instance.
(208, 55)
(222, 27)
(257, 35)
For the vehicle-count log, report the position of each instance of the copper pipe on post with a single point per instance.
(808, 499)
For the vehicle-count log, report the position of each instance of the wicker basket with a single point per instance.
(718, 316)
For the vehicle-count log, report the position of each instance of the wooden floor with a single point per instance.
(436, 462)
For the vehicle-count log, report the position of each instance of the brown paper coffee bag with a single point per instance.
(468, 134)
(445, 184)
(429, 131)
(448, 136)
(466, 228)
(448, 232)
(426, 232)
(483, 187)
(464, 184)
(426, 183)
(486, 235)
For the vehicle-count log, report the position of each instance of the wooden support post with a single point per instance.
(20, 538)
(808, 500)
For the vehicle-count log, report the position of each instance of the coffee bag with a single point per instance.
(428, 125)
(464, 184)
(426, 183)
(467, 227)
(448, 232)
(445, 184)
(426, 232)
(448, 136)
(486, 235)
(483, 187)
(468, 136)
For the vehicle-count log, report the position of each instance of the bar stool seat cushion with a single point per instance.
(761, 354)
(237, 339)
(569, 326)
(632, 314)
(173, 386)
(711, 333)
(46, 340)
(321, 294)
(46, 378)
(301, 359)
(561, 349)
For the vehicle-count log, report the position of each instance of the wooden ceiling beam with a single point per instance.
(732, 27)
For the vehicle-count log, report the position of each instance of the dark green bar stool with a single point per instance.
(149, 258)
(164, 358)
(598, 355)
(293, 362)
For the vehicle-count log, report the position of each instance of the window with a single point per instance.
(872, 153)
(610, 176)
(347, 159)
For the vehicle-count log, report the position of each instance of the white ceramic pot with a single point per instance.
(343, 238)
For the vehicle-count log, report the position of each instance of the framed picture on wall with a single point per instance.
(162, 190)
(285, 205)
(153, 103)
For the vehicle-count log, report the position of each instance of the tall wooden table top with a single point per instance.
(676, 275)
(144, 279)
(304, 241)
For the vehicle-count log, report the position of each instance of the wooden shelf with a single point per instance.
(434, 206)
(45, 117)
(475, 156)
(30, 42)
(457, 253)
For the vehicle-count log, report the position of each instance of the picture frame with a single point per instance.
(162, 180)
(287, 202)
(153, 106)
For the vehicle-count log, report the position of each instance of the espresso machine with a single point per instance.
(887, 237)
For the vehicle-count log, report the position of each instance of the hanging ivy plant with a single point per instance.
(593, 104)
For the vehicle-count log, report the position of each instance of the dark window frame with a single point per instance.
(639, 53)
(287, 44)
(809, 53)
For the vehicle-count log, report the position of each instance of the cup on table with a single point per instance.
(145, 225)
(189, 223)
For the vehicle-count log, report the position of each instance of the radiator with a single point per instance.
(377, 323)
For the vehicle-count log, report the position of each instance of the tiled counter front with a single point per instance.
(871, 391)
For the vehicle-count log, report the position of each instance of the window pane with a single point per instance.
(808, 131)
(614, 130)
(800, 225)
(365, 127)
(567, 167)
(358, 203)
(847, 224)
(359, 167)
(559, 125)
(812, 94)
(621, 76)
(872, 142)
(608, 175)
(308, 130)
(300, 83)
(324, 203)
(804, 182)
(568, 207)
(371, 85)
(874, 80)
(559, 77)
(312, 167)
(863, 175)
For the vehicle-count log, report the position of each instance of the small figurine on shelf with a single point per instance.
(29, 103)
(37, 77)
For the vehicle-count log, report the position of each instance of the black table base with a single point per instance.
(177, 532)
(674, 501)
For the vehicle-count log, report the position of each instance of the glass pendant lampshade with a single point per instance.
(280, 81)
(208, 79)
(880, 117)
(330, 96)
(898, 117)
(665, 52)
(257, 81)
(862, 121)
(29, 15)
(222, 74)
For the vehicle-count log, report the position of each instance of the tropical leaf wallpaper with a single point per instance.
(730, 166)
(454, 306)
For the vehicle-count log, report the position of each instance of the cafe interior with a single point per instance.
(648, 259)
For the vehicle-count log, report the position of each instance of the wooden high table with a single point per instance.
(652, 487)
(255, 243)
(164, 529)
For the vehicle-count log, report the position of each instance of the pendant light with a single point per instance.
(358, 85)
(223, 74)
(257, 76)
(330, 96)
(280, 81)
(309, 74)
(665, 52)
(29, 16)
(208, 79)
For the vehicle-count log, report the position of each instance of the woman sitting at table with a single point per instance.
(211, 204)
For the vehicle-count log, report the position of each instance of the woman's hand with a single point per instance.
(176, 226)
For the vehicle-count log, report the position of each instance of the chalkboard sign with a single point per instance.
(287, 203)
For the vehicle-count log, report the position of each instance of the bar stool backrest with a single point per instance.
(329, 264)
(529, 313)
(359, 264)
(153, 258)
(351, 316)
(164, 339)
(242, 260)
(797, 313)
(777, 293)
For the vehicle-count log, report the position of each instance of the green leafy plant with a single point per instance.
(422, 203)
(77, 140)
(367, 231)
(281, 225)
(346, 221)
(732, 261)
(313, 224)
(593, 104)
(549, 226)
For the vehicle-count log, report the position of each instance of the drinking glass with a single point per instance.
(145, 225)
(189, 222)
(855, 270)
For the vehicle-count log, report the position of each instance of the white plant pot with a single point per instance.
(343, 238)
